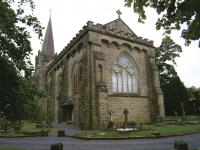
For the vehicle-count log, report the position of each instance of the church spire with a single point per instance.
(48, 44)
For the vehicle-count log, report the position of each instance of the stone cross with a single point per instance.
(119, 13)
(194, 105)
(110, 116)
(182, 107)
(125, 118)
(183, 110)
(176, 114)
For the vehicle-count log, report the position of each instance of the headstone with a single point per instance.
(61, 133)
(183, 112)
(110, 116)
(175, 113)
(125, 118)
(111, 123)
(194, 107)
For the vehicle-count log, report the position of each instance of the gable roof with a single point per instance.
(120, 25)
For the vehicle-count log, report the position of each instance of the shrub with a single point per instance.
(44, 132)
(17, 126)
(4, 123)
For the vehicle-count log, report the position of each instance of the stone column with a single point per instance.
(102, 96)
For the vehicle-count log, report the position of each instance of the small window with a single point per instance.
(100, 73)
(76, 78)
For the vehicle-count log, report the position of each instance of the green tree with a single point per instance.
(173, 89)
(14, 38)
(194, 96)
(29, 97)
(172, 14)
(16, 87)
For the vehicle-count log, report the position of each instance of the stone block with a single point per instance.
(180, 145)
(57, 146)
(61, 133)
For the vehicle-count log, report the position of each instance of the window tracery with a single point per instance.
(124, 79)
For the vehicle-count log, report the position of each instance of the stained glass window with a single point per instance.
(124, 75)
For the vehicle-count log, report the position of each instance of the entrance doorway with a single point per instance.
(68, 113)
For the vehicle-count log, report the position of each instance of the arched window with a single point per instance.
(100, 73)
(76, 78)
(124, 78)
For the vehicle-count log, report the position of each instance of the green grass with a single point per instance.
(28, 128)
(164, 130)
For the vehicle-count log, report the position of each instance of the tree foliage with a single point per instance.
(167, 52)
(17, 94)
(194, 95)
(16, 87)
(173, 89)
(172, 14)
(15, 46)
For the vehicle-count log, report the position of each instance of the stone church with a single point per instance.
(104, 70)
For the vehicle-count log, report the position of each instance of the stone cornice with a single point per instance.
(127, 95)
(103, 29)
(67, 48)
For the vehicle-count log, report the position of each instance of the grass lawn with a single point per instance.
(28, 128)
(164, 130)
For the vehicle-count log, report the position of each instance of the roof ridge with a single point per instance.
(119, 19)
(105, 30)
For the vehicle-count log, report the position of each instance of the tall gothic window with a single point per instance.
(124, 78)
(99, 73)
(75, 78)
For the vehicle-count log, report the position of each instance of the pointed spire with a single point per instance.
(48, 44)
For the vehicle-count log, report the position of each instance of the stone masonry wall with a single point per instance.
(138, 104)
(139, 109)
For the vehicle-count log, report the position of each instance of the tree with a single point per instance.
(167, 53)
(29, 97)
(173, 89)
(16, 87)
(194, 96)
(14, 38)
(172, 14)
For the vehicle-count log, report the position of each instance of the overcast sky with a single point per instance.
(68, 17)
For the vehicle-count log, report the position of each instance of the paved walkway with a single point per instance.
(70, 129)
(44, 143)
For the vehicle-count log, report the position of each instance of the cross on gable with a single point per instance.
(119, 13)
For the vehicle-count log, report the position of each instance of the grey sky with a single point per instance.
(68, 17)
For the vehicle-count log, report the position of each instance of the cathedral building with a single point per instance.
(103, 71)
